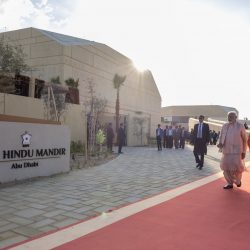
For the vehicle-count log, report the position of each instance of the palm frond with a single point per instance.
(118, 80)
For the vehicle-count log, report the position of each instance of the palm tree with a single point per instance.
(118, 82)
(71, 82)
(73, 95)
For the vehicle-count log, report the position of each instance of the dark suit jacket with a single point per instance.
(200, 145)
(110, 135)
(185, 135)
(121, 136)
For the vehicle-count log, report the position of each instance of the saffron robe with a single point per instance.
(233, 139)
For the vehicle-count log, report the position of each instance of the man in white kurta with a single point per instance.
(233, 145)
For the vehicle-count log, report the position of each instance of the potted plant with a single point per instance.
(73, 95)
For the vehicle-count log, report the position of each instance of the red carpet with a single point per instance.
(205, 218)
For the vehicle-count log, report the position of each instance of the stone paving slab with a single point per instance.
(65, 223)
(11, 240)
(26, 231)
(53, 213)
(29, 213)
(42, 223)
(18, 220)
(34, 207)
(8, 227)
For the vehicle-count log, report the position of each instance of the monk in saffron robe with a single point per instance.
(232, 144)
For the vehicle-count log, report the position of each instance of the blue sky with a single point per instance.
(197, 50)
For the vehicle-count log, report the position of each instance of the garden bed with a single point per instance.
(78, 161)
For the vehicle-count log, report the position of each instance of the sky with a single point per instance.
(197, 50)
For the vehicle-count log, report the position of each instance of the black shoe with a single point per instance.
(239, 185)
(198, 165)
(228, 186)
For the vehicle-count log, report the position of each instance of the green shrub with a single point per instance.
(100, 137)
(71, 82)
(76, 147)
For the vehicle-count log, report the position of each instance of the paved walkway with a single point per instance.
(33, 208)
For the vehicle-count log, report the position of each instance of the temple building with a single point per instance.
(56, 56)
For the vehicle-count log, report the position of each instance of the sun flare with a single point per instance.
(140, 66)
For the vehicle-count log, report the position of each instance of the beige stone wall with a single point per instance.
(214, 111)
(21, 106)
(96, 62)
(138, 128)
(75, 118)
(34, 108)
(44, 55)
(139, 92)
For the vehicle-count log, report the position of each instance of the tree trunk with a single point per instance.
(117, 109)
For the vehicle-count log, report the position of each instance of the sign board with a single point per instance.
(30, 150)
(168, 118)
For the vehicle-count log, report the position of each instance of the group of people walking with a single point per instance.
(232, 144)
(214, 136)
(120, 138)
(171, 137)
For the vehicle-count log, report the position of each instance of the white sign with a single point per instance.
(168, 118)
(30, 150)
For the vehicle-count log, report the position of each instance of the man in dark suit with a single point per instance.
(201, 139)
(159, 135)
(183, 137)
(120, 138)
(110, 137)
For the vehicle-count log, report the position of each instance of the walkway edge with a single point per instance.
(71, 233)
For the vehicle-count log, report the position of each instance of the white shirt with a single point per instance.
(199, 133)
